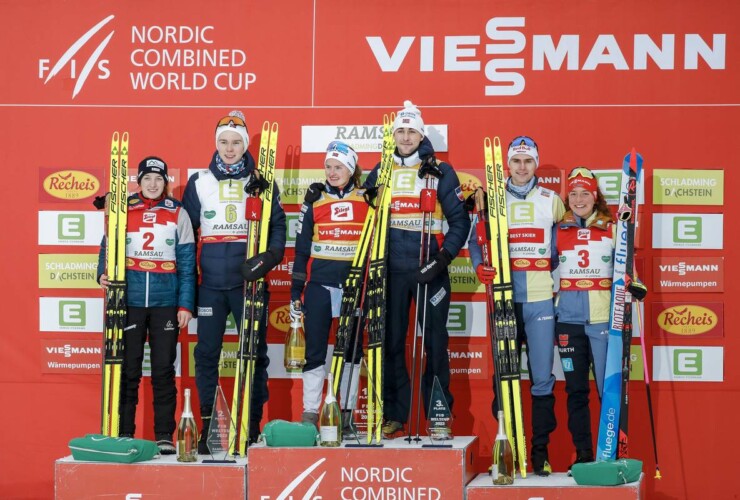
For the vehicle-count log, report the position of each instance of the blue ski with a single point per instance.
(612, 426)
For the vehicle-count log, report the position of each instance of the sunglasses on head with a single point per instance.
(231, 121)
(583, 172)
(523, 139)
(340, 147)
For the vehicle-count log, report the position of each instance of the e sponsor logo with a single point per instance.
(72, 313)
(70, 228)
(700, 231)
(688, 363)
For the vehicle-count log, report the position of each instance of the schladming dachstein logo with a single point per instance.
(68, 60)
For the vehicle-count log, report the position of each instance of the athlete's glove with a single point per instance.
(433, 267)
(256, 185)
(470, 201)
(430, 167)
(314, 192)
(638, 290)
(99, 201)
(370, 194)
(259, 265)
(296, 310)
(486, 274)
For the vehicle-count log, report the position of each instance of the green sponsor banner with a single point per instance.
(463, 278)
(688, 187)
(68, 271)
(227, 363)
(294, 183)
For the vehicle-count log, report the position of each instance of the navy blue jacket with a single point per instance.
(219, 262)
(403, 246)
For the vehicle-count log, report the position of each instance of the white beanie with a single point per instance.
(234, 122)
(524, 145)
(409, 117)
(344, 153)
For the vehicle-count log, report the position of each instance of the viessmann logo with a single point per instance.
(496, 54)
(69, 63)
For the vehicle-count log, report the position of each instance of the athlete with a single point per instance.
(414, 162)
(585, 245)
(215, 199)
(330, 226)
(160, 295)
(532, 211)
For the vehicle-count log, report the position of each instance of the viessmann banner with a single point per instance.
(489, 52)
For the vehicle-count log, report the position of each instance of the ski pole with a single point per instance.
(647, 388)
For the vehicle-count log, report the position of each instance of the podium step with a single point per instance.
(396, 470)
(164, 477)
(554, 487)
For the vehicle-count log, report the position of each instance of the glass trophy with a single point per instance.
(439, 418)
(218, 433)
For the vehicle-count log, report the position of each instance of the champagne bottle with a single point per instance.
(187, 434)
(503, 458)
(295, 347)
(330, 422)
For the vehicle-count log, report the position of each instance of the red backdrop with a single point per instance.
(588, 80)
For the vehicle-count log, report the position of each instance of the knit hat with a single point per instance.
(234, 122)
(152, 165)
(581, 177)
(409, 117)
(344, 153)
(524, 145)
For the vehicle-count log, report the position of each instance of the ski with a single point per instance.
(115, 295)
(376, 288)
(500, 305)
(258, 211)
(612, 440)
(355, 285)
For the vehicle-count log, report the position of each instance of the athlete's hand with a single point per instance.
(296, 310)
(104, 281)
(183, 317)
(486, 274)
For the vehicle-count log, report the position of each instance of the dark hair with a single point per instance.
(356, 176)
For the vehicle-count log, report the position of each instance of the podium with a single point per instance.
(556, 486)
(396, 470)
(163, 477)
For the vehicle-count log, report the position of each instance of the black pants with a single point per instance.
(317, 302)
(213, 309)
(575, 353)
(159, 324)
(401, 289)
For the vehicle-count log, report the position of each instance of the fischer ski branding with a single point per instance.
(376, 284)
(492, 233)
(258, 212)
(612, 440)
(115, 294)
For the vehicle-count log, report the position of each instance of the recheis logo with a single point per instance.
(93, 62)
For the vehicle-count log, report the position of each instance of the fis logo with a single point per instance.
(93, 62)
